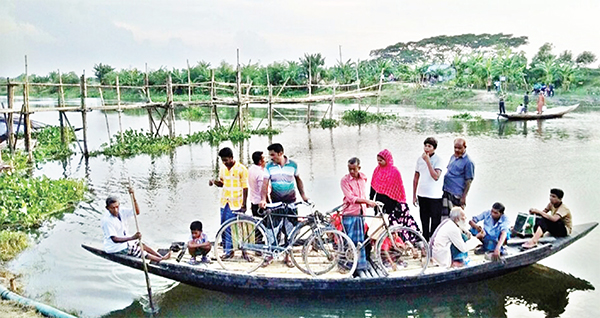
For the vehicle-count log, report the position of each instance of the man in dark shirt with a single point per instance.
(525, 101)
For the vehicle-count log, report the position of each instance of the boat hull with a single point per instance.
(549, 114)
(224, 281)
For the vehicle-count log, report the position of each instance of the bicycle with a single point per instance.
(263, 237)
(393, 250)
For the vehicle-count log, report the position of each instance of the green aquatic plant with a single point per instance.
(463, 116)
(357, 117)
(134, 142)
(329, 123)
(11, 244)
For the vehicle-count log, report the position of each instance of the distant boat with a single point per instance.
(554, 112)
(277, 278)
(18, 127)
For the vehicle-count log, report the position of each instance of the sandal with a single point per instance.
(527, 247)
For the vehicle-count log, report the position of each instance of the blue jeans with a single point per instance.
(490, 242)
(227, 214)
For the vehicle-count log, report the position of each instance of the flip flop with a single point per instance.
(524, 247)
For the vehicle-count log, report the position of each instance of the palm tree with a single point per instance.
(312, 65)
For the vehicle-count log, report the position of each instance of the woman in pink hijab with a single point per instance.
(387, 187)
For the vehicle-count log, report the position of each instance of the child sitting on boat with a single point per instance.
(198, 244)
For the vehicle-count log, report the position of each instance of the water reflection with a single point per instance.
(537, 287)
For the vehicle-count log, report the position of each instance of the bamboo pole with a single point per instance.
(10, 98)
(119, 110)
(189, 94)
(105, 116)
(379, 88)
(61, 114)
(27, 118)
(169, 105)
(84, 114)
(238, 81)
(147, 85)
(270, 107)
(333, 97)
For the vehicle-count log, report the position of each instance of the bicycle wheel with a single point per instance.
(236, 246)
(301, 234)
(402, 251)
(328, 248)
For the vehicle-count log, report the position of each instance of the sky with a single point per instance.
(74, 35)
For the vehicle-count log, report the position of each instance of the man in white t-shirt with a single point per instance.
(116, 239)
(427, 187)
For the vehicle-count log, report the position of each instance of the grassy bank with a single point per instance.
(27, 201)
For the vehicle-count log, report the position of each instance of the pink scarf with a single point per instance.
(387, 179)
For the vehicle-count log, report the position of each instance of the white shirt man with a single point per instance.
(447, 234)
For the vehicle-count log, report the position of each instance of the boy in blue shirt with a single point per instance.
(198, 244)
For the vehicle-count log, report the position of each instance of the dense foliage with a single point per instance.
(358, 117)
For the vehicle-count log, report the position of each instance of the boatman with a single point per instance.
(555, 218)
(233, 179)
(495, 230)
(459, 175)
(116, 239)
(281, 173)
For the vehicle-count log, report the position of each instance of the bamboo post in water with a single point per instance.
(332, 99)
(10, 98)
(105, 115)
(189, 94)
(379, 89)
(61, 114)
(239, 92)
(169, 105)
(119, 110)
(309, 93)
(84, 114)
(270, 103)
(25, 111)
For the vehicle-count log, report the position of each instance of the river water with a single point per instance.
(516, 164)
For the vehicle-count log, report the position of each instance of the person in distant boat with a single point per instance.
(458, 178)
(541, 102)
(282, 174)
(520, 109)
(555, 219)
(448, 243)
(495, 231)
(116, 239)
(198, 244)
(501, 108)
(525, 101)
(427, 187)
(233, 178)
(354, 207)
(387, 187)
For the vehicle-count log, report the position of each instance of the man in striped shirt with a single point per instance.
(233, 178)
(281, 173)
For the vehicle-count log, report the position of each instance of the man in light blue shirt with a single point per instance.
(495, 230)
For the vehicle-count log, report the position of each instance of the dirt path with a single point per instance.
(10, 309)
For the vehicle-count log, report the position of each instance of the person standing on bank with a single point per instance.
(233, 179)
(427, 187)
(457, 180)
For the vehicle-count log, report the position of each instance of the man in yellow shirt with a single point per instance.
(233, 178)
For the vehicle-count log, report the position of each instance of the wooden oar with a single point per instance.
(137, 227)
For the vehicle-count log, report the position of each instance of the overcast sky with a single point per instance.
(75, 35)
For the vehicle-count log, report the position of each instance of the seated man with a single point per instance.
(449, 248)
(115, 235)
(557, 222)
(495, 230)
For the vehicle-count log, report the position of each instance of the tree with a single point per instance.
(100, 71)
(565, 57)
(585, 58)
(313, 64)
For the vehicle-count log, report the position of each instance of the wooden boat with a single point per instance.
(554, 112)
(277, 278)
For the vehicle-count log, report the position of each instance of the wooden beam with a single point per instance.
(28, 145)
(10, 98)
(84, 114)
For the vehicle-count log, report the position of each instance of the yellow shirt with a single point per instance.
(235, 180)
